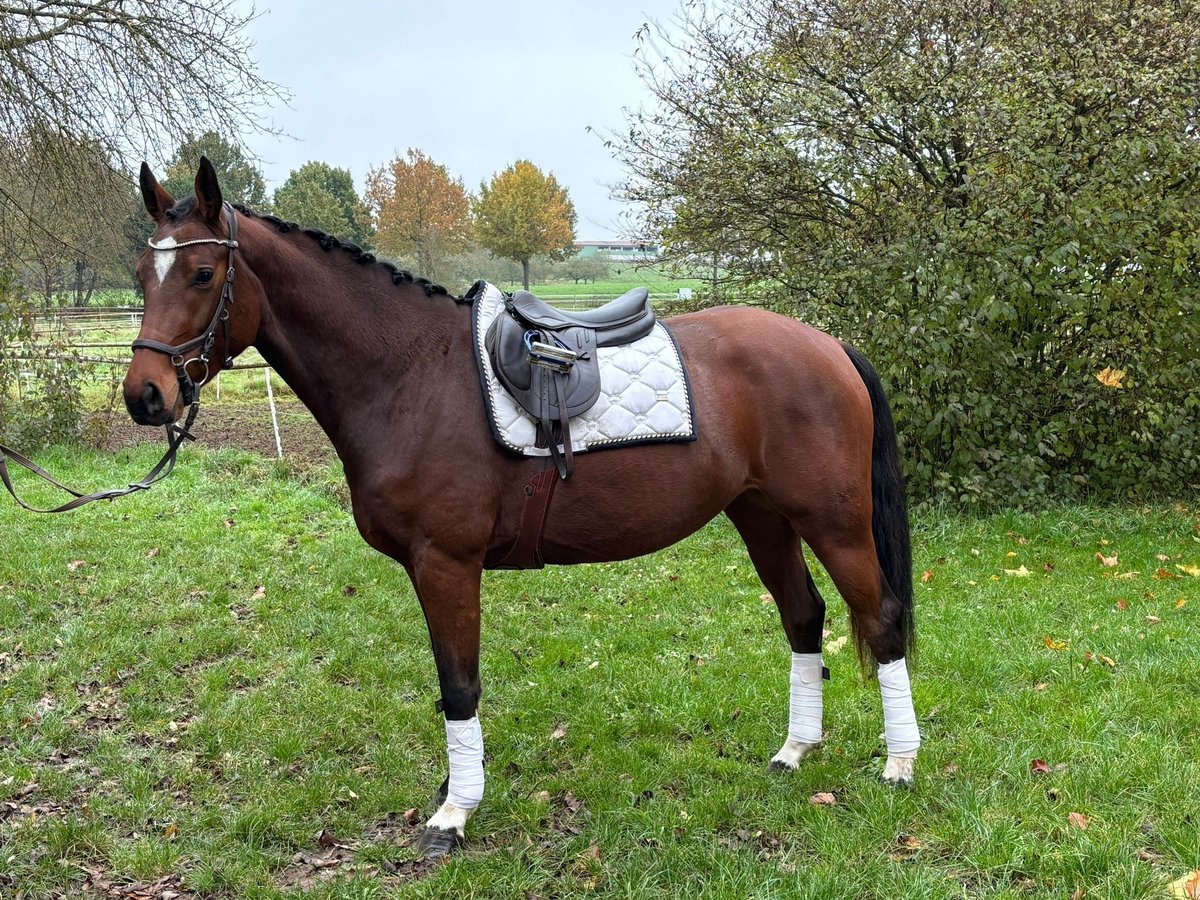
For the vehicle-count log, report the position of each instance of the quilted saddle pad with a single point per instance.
(645, 396)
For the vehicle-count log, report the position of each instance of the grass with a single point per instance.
(197, 681)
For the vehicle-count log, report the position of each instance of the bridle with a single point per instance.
(189, 388)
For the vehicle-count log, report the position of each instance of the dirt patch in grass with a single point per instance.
(243, 426)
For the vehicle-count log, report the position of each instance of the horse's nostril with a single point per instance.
(152, 399)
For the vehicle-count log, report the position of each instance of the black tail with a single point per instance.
(889, 519)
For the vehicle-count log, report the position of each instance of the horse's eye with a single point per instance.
(204, 276)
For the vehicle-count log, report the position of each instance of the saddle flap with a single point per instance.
(531, 385)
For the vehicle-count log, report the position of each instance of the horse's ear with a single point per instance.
(154, 195)
(208, 193)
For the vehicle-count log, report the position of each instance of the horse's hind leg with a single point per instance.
(778, 558)
(879, 622)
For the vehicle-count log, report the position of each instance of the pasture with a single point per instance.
(217, 690)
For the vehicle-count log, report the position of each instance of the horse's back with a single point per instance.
(779, 409)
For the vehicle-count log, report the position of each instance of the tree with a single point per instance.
(132, 76)
(524, 213)
(324, 197)
(421, 214)
(241, 180)
(997, 207)
(86, 231)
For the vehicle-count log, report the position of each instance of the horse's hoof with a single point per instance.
(438, 842)
(898, 772)
(778, 765)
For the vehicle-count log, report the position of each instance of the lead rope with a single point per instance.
(176, 435)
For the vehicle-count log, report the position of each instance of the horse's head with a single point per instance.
(190, 325)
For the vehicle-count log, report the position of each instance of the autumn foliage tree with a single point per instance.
(524, 213)
(422, 215)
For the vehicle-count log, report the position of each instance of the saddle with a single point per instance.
(546, 358)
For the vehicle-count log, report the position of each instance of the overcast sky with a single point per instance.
(475, 84)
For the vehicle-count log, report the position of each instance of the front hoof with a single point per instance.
(898, 772)
(790, 755)
(437, 842)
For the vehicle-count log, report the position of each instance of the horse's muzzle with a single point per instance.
(146, 404)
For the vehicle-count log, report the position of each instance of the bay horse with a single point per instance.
(795, 445)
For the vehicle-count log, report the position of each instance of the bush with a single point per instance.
(40, 381)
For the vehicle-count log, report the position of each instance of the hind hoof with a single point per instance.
(437, 842)
(778, 766)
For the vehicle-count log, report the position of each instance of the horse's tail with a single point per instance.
(889, 517)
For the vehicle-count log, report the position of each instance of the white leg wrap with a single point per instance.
(899, 719)
(804, 713)
(464, 742)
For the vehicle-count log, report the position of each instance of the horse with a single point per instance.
(795, 444)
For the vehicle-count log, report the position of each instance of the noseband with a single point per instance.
(189, 388)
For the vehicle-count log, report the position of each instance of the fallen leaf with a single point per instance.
(1107, 560)
(1078, 894)
(1039, 767)
(1122, 604)
(823, 798)
(326, 840)
(76, 564)
(1180, 603)
(766, 598)
(1040, 686)
(1153, 620)
(150, 554)
(1110, 377)
(1194, 571)
(1079, 820)
(1163, 575)
(927, 576)
(950, 769)
(1162, 557)
(259, 593)
(1107, 660)
(560, 731)
(1187, 887)
(171, 832)
(835, 646)
(1018, 573)
(414, 815)
(1052, 644)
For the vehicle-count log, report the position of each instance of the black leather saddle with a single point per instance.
(546, 358)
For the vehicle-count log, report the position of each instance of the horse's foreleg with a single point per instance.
(449, 593)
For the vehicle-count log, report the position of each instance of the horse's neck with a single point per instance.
(342, 336)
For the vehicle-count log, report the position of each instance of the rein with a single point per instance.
(176, 433)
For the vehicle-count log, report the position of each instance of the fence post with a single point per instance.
(274, 417)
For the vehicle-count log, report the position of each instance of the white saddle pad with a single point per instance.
(644, 393)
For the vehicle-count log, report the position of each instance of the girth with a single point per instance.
(546, 359)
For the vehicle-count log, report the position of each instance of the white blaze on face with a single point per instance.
(164, 259)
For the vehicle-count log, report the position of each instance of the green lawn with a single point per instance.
(199, 681)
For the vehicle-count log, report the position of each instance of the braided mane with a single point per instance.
(328, 243)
